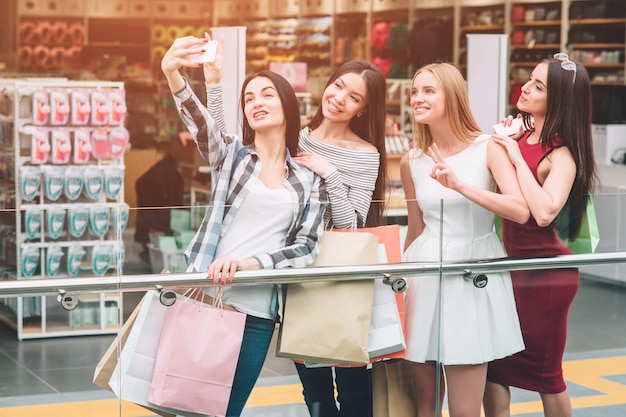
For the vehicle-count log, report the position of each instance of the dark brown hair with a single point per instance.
(290, 108)
(568, 116)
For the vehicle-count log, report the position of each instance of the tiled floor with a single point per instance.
(59, 371)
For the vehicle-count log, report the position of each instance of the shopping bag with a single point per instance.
(589, 237)
(392, 389)
(106, 366)
(197, 357)
(328, 322)
(132, 376)
(386, 334)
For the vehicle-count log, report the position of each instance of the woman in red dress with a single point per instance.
(555, 167)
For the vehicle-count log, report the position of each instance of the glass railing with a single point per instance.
(63, 301)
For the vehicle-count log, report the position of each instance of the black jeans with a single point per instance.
(354, 392)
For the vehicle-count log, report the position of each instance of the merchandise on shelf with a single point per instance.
(65, 142)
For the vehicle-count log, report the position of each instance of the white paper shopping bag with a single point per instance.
(132, 376)
(385, 334)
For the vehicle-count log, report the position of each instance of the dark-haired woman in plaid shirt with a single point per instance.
(266, 211)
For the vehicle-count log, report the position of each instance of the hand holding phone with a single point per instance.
(513, 129)
(210, 50)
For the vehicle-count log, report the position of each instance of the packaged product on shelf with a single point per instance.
(118, 139)
(73, 182)
(75, 255)
(101, 258)
(99, 220)
(32, 223)
(93, 182)
(120, 217)
(113, 181)
(39, 146)
(30, 181)
(54, 254)
(120, 254)
(100, 108)
(55, 221)
(61, 145)
(30, 260)
(54, 177)
(117, 98)
(111, 313)
(100, 143)
(41, 107)
(77, 220)
(81, 108)
(82, 145)
(59, 106)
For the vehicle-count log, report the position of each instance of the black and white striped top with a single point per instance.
(350, 185)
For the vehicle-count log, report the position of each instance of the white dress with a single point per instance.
(478, 325)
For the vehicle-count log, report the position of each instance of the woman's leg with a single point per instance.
(556, 405)
(318, 389)
(354, 391)
(256, 341)
(497, 400)
(466, 388)
(425, 381)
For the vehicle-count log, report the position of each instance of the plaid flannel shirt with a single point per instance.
(234, 168)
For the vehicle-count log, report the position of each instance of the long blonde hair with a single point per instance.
(458, 110)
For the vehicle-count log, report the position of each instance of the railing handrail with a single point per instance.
(142, 282)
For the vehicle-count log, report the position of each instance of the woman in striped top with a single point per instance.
(345, 145)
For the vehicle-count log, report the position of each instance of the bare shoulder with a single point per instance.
(358, 144)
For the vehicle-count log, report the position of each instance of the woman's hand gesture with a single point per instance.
(441, 171)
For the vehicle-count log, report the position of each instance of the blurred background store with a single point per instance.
(68, 47)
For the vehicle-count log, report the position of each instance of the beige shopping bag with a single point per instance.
(328, 322)
(391, 389)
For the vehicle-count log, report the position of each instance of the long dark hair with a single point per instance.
(370, 127)
(290, 108)
(568, 116)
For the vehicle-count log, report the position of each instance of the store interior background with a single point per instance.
(122, 40)
(130, 37)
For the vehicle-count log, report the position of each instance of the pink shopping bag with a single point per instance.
(197, 357)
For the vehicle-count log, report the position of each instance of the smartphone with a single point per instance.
(500, 129)
(210, 49)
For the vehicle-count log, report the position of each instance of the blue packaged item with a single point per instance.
(30, 181)
(30, 260)
(120, 256)
(93, 182)
(55, 221)
(32, 222)
(53, 260)
(54, 177)
(113, 181)
(99, 220)
(75, 255)
(101, 258)
(73, 182)
(77, 220)
(120, 217)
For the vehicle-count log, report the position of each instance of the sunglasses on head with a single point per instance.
(566, 63)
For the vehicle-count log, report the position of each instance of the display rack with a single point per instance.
(64, 142)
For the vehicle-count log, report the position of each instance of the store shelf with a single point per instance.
(67, 143)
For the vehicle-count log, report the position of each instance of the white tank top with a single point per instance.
(260, 225)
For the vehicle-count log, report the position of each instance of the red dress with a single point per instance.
(543, 299)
